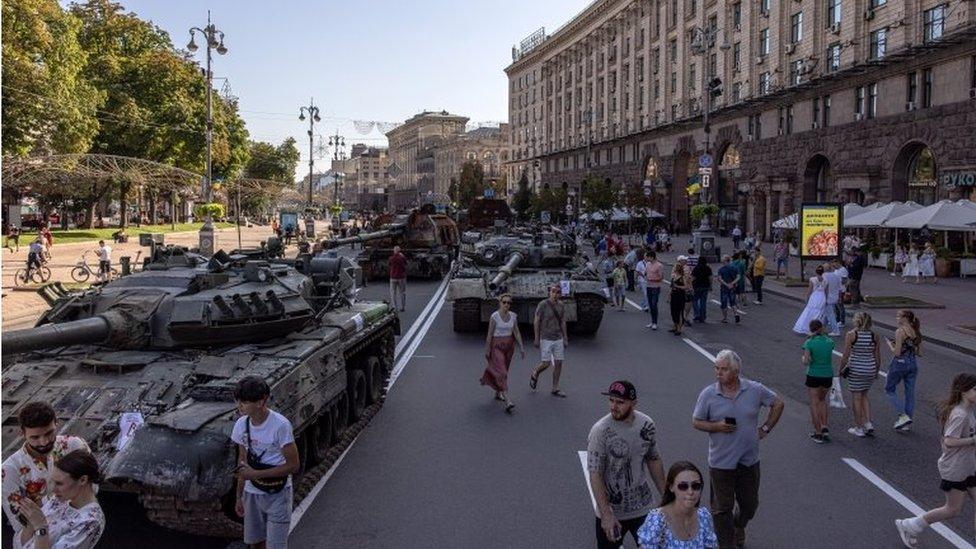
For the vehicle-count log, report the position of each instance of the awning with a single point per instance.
(944, 215)
(878, 216)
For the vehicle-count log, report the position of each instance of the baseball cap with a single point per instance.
(622, 389)
(682, 258)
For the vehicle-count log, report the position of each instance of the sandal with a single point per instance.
(509, 408)
(498, 397)
(533, 381)
(559, 393)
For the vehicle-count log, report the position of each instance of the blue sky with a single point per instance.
(366, 60)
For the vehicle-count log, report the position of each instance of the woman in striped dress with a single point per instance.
(860, 365)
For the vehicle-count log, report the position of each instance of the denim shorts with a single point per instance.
(727, 297)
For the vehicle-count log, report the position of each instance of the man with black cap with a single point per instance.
(622, 460)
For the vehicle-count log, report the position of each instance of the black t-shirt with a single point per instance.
(701, 275)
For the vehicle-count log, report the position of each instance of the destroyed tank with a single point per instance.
(524, 264)
(163, 349)
(428, 240)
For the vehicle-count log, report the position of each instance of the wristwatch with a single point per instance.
(41, 532)
(765, 428)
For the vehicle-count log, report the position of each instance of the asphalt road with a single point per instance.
(443, 466)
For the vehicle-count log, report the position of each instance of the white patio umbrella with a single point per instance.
(788, 222)
(944, 215)
(878, 216)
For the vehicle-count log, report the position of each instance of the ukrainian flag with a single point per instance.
(694, 187)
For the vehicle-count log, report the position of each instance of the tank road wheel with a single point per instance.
(467, 315)
(374, 380)
(589, 314)
(356, 389)
(340, 415)
(323, 436)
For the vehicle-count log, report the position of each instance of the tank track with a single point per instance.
(466, 315)
(589, 315)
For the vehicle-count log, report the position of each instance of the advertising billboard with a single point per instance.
(821, 226)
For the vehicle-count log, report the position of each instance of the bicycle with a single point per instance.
(37, 275)
(82, 271)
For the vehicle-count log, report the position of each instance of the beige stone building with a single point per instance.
(857, 100)
(410, 166)
(487, 145)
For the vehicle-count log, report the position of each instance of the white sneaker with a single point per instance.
(654, 326)
(903, 423)
(869, 429)
(834, 334)
(907, 536)
(758, 302)
(857, 431)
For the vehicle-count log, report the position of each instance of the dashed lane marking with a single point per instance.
(586, 479)
(741, 312)
(700, 349)
(955, 539)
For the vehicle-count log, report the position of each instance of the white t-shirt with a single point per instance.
(105, 253)
(267, 441)
(842, 271)
(834, 284)
(502, 328)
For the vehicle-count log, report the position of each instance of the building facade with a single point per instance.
(822, 100)
(487, 146)
(411, 154)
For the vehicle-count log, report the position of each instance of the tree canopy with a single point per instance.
(522, 201)
(471, 183)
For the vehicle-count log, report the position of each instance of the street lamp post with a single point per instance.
(337, 142)
(313, 117)
(215, 41)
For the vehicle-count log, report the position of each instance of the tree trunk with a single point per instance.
(152, 208)
(90, 221)
(124, 189)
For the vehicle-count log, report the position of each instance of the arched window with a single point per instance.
(922, 177)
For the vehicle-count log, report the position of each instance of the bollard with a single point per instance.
(124, 264)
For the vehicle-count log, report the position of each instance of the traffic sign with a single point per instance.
(705, 160)
(705, 180)
(569, 209)
(647, 191)
(704, 171)
(489, 193)
(545, 217)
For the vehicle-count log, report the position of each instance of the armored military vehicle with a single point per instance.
(524, 264)
(428, 240)
(483, 214)
(144, 367)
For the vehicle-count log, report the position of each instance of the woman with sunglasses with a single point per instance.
(679, 523)
(503, 335)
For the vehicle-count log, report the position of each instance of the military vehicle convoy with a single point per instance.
(428, 240)
(159, 352)
(524, 264)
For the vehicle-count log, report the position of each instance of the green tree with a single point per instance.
(471, 184)
(600, 195)
(270, 162)
(550, 200)
(48, 105)
(522, 201)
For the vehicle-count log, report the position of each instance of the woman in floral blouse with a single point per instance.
(679, 523)
(72, 518)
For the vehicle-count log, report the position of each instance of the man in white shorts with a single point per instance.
(550, 337)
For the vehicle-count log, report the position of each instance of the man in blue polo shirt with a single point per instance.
(728, 278)
(729, 412)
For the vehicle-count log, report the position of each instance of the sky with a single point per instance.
(382, 60)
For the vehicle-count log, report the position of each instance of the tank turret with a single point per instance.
(505, 271)
(388, 232)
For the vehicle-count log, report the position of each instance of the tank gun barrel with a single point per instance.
(506, 270)
(364, 237)
(88, 330)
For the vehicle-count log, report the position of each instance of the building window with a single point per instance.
(833, 12)
(826, 111)
(755, 126)
(737, 15)
(781, 121)
(859, 102)
(674, 112)
(872, 100)
(815, 116)
(879, 43)
(764, 42)
(764, 6)
(833, 57)
(657, 88)
(736, 91)
(674, 82)
(796, 72)
(878, 3)
(934, 23)
(972, 77)
(796, 27)
(926, 88)
(673, 46)
(692, 76)
(674, 13)
(789, 120)
(692, 8)
(911, 95)
(736, 55)
(656, 55)
(764, 83)
(922, 178)
(712, 64)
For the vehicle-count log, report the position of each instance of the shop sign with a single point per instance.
(959, 179)
(821, 225)
(922, 183)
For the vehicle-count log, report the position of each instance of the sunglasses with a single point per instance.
(684, 486)
(506, 302)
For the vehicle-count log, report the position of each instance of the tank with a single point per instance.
(524, 264)
(427, 239)
(483, 213)
(164, 348)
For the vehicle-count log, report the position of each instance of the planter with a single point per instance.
(945, 267)
(880, 261)
(967, 266)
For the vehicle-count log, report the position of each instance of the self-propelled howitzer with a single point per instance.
(160, 351)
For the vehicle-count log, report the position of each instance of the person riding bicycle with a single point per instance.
(34, 254)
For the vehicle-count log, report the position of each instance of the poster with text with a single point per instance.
(820, 231)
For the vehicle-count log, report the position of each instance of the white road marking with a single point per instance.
(700, 349)
(299, 512)
(882, 372)
(741, 312)
(424, 356)
(634, 304)
(586, 479)
(422, 324)
(955, 539)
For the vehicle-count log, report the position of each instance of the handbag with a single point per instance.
(836, 394)
(270, 485)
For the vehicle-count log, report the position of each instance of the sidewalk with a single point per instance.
(20, 308)
(956, 295)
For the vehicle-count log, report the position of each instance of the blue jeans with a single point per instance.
(903, 368)
(652, 297)
(643, 292)
(699, 303)
(830, 318)
(840, 312)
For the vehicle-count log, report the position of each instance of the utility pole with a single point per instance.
(313, 117)
(215, 41)
(337, 142)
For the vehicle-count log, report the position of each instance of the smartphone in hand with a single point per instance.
(730, 421)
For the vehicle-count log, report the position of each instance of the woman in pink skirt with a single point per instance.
(503, 334)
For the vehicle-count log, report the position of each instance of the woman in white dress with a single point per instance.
(816, 303)
(926, 263)
(911, 268)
